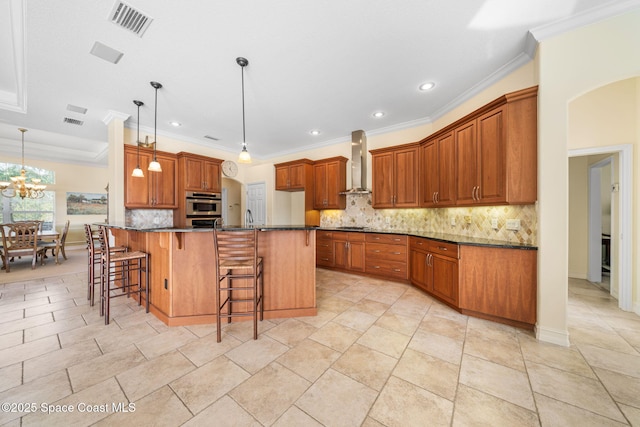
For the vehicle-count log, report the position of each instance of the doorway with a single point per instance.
(600, 224)
(257, 202)
(621, 267)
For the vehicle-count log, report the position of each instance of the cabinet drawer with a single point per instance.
(393, 239)
(324, 244)
(324, 235)
(419, 243)
(388, 252)
(324, 258)
(386, 268)
(443, 248)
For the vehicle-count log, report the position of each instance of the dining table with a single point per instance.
(48, 236)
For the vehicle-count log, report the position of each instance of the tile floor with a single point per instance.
(377, 354)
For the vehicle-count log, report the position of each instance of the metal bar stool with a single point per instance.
(117, 269)
(94, 258)
(236, 254)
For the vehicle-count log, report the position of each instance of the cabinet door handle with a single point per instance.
(376, 266)
(478, 197)
(377, 251)
(395, 253)
(442, 248)
(396, 269)
(437, 197)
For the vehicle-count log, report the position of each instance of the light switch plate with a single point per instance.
(494, 223)
(513, 224)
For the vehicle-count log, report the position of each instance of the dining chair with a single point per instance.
(236, 255)
(52, 245)
(18, 239)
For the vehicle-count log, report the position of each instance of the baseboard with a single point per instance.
(552, 336)
(582, 276)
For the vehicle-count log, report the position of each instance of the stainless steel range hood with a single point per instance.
(358, 163)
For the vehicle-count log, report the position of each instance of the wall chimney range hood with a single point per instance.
(358, 163)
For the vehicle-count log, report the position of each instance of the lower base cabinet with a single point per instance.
(434, 268)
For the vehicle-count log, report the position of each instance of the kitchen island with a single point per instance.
(182, 272)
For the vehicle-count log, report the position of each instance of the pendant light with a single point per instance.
(19, 185)
(137, 172)
(154, 166)
(244, 154)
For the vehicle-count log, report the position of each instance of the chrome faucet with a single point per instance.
(248, 217)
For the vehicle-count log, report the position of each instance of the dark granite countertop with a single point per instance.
(208, 230)
(444, 237)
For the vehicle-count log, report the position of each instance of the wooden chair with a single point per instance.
(52, 245)
(20, 238)
(94, 258)
(116, 271)
(236, 254)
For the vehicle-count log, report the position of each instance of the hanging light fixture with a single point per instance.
(154, 166)
(244, 154)
(19, 185)
(137, 172)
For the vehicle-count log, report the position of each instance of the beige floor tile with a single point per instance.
(165, 342)
(19, 304)
(96, 370)
(254, 355)
(202, 330)
(27, 351)
(226, 413)
(11, 376)
(60, 359)
(337, 400)
(632, 414)
(149, 376)
(294, 417)
(385, 341)
(554, 413)
(445, 348)
(264, 396)
(450, 326)
(207, 348)
(243, 331)
(116, 338)
(208, 383)
(366, 365)
(403, 404)
(372, 307)
(566, 358)
(322, 318)
(370, 422)
(10, 340)
(627, 364)
(410, 305)
(161, 408)
(90, 405)
(32, 334)
(428, 372)
(497, 380)
(573, 389)
(354, 293)
(505, 353)
(336, 336)
(9, 316)
(623, 389)
(335, 304)
(76, 310)
(43, 390)
(474, 408)
(356, 320)
(595, 337)
(26, 323)
(88, 332)
(632, 337)
(48, 308)
(309, 359)
(387, 296)
(291, 332)
(61, 291)
(398, 323)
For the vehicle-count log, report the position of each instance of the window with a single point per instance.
(17, 209)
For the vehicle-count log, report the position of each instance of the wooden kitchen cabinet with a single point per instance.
(386, 255)
(434, 268)
(496, 152)
(156, 190)
(329, 180)
(395, 176)
(324, 249)
(349, 251)
(438, 171)
(200, 173)
(499, 284)
(295, 175)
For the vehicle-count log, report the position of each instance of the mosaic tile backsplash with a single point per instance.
(148, 218)
(471, 221)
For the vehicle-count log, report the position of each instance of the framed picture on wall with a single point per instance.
(87, 203)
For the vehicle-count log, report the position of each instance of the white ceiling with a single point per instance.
(325, 65)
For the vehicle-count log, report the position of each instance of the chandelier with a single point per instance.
(19, 185)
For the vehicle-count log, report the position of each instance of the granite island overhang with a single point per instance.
(182, 270)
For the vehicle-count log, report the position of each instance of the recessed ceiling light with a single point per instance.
(378, 114)
(175, 124)
(426, 86)
(314, 132)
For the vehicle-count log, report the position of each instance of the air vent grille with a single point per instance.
(73, 121)
(129, 18)
(213, 138)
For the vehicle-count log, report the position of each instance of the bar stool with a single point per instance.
(236, 254)
(117, 269)
(94, 258)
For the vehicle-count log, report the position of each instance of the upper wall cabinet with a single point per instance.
(438, 167)
(199, 173)
(156, 190)
(329, 180)
(395, 176)
(294, 176)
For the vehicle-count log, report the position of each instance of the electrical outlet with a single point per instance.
(513, 224)
(453, 222)
(494, 223)
(387, 220)
(156, 220)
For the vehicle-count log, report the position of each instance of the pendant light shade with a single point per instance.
(137, 172)
(154, 166)
(244, 156)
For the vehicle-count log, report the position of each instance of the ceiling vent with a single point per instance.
(76, 109)
(213, 138)
(73, 121)
(129, 18)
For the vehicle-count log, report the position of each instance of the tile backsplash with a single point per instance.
(148, 218)
(469, 221)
